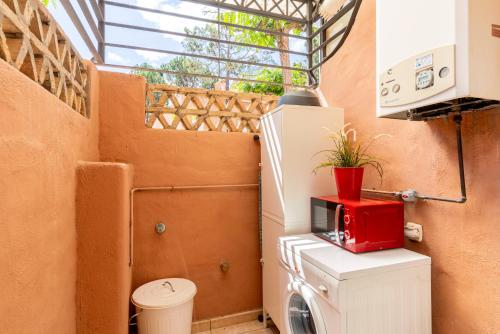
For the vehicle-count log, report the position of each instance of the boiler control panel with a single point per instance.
(418, 77)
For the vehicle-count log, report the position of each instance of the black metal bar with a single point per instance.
(352, 6)
(97, 10)
(322, 38)
(310, 78)
(189, 17)
(382, 192)
(423, 114)
(335, 18)
(102, 29)
(184, 54)
(329, 40)
(240, 8)
(315, 12)
(357, 4)
(90, 20)
(140, 68)
(70, 10)
(460, 157)
(128, 26)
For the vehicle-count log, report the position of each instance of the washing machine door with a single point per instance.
(304, 315)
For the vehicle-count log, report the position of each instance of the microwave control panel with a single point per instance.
(418, 78)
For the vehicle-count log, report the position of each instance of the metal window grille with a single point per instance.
(323, 38)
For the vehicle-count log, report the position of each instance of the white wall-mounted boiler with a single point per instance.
(436, 57)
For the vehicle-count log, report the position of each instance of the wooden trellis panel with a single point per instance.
(32, 42)
(169, 107)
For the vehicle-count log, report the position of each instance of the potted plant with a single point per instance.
(347, 158)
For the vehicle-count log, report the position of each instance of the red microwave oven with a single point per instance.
(358, 226)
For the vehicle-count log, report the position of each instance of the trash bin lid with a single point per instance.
(164, 293)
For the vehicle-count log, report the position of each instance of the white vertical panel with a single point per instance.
(305, 133)
(396, 302)
(291, 137)
(271, 286)
(272, 169)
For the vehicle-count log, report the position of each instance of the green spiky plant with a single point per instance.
(348, 152)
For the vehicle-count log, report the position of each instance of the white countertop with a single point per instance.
(343, 264)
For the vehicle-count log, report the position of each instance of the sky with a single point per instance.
(121, 56)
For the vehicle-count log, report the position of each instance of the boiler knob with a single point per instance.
(347, 234)
(443, 73)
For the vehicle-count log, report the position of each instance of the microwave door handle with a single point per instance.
(337, 222)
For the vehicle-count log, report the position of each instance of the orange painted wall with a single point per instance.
(203, 227)
(462, 239)
(104, 276)
(41, 141)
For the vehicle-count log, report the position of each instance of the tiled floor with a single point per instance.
(252, 327)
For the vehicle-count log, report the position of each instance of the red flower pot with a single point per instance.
(349, 181)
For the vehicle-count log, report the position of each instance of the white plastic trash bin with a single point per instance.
(164, 306)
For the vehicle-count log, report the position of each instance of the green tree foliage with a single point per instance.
(188, 65)
(215, 49)
(265, 39)
(270, 75)
(151, 76)
(178, 64)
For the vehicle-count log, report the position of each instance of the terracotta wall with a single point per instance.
(462, 239)
(204, 227)
(41, 141)
(104, 274)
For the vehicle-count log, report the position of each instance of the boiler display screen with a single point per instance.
(423, 62)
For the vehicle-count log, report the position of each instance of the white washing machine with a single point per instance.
(328, 290)
(304, 310)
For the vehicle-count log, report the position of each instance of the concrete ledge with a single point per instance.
(103, 238)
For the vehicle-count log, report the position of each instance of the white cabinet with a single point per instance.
(291, 136)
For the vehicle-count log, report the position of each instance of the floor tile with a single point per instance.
(235, 319)
(263, 331)
(201, 327)
(247, 327)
